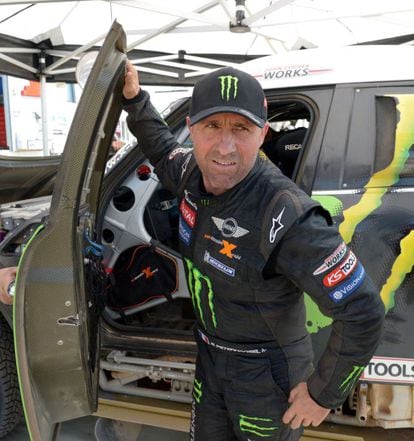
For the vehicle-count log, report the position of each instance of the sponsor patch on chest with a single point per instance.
(208, 258)
(188, 214)
(184, 231)
(227, 248)
(229, 227)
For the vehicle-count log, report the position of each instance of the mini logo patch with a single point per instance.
(219, 265)
(346, 289)
(229, 227)
(276, 226)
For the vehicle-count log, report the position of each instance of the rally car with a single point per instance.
(103, 320)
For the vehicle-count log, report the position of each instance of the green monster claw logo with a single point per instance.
(227, 83)
(195, 285)
(380, 182)
(349, 381)
(255, 425)
(197, 390)
(375, 189)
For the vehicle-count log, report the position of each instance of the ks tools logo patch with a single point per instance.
(341, 271)
(228, 87)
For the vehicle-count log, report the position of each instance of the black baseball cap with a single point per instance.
(228, 90)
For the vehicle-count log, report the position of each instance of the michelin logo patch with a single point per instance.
(347, 288)
(219, 265)
(184, 232)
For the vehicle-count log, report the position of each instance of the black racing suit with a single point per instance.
(249, 255)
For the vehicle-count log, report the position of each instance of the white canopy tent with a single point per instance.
(176, 41)
(200, 26)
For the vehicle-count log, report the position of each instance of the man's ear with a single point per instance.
(187, 120)
(265, 129)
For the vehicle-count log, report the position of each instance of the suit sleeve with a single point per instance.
(169, 159)
(313, 255)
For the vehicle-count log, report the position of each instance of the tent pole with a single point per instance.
(45, 135)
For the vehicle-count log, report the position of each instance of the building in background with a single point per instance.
(21, 114)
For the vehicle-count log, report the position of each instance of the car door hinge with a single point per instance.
(70, 320)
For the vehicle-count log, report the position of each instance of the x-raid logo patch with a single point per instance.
(228, 87)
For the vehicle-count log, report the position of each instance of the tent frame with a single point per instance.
(45, 62)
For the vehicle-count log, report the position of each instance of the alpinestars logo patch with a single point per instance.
(276, 226)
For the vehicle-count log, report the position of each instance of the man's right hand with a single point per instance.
(131, 86)
(303, 410)
(7, 276)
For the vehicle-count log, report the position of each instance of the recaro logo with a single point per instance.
(228, 84)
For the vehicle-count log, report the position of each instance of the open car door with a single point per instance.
(60, 278)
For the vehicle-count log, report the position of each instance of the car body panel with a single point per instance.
(22, 177)
(56, 312)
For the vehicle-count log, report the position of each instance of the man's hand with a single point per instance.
(303, 410)
(7, 275)
(131, 86)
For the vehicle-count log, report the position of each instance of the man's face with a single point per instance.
(225, 148)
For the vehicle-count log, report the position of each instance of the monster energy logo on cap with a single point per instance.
(227, 83)
(228, 90)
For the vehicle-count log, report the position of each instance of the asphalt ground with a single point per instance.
(83, 429)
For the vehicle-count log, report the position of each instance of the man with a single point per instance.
(7, 276)
(252, 242)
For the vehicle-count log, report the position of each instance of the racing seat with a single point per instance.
(284, 150)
